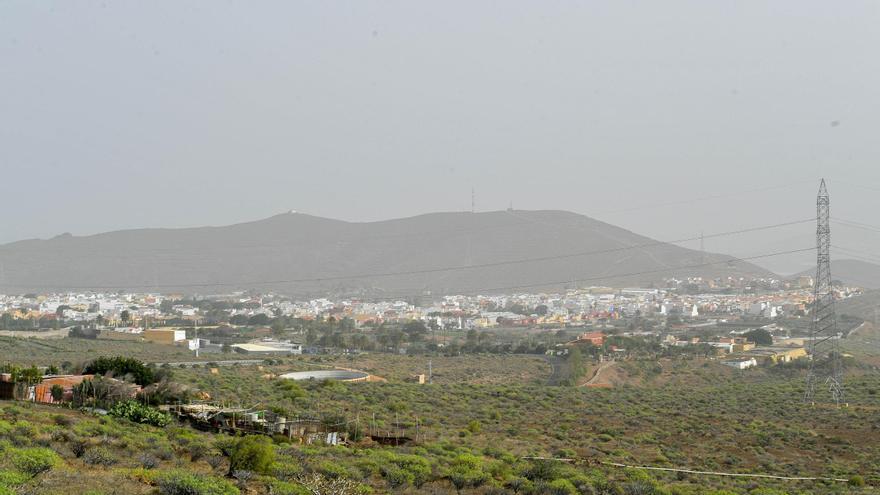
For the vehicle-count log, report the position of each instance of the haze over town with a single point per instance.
(621, 112)
(470, 248)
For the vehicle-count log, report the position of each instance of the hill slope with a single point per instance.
(851, 272)
(270, 253)
(865, 306)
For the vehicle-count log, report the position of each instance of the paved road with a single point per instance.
(230, 362)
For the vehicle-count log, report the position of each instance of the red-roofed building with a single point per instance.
(595, 338)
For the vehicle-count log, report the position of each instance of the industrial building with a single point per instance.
(268, 347)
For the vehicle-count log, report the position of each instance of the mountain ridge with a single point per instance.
(299, 253)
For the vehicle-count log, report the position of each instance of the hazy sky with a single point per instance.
(134, 114)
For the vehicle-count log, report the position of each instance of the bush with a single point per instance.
(34, 461)
(251, 453)
(180, 482)
(136, 412)
(197, 450)
(99, 456)
(285, 488)
(148, 461)
(857, 481)
(563, 487)
(78, 447)
(467, 470)
(62, 420)
(397, 476)
(9, 479)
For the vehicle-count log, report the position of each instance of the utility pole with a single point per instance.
(826, 369)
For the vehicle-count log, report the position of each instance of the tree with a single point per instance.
(541, 310)
(239, 320)
(575, 367)
(29, 376)
(759, 336)
(415, 330)
(125, 316)
(166, 306)
(259, 319)
(278, 327)
(122, 366)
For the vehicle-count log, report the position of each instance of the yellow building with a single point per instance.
(743, 346)
(777, 354)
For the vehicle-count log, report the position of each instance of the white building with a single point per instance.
(741, 364)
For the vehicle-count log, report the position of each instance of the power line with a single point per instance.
(644, 272)
(864, 256)
(857, 225)
(444, 269)
(614, 276)
(706, 198)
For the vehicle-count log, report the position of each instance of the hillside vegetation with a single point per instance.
(475, 434)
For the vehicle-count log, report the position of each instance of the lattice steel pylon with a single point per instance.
(826, 369)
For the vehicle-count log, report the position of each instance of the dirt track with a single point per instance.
(594, 380)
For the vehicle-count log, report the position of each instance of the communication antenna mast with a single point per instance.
(473, 200)
(825, 364)
(702, 249)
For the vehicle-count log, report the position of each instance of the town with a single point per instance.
(688, 312)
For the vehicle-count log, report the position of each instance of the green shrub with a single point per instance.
(9, 479)
(286, 471)
(178, 482)
(562, 487)
(397, 476)
(251, 453)
(286, 488)
(331, 469)
(136, 412)
(467, 470)
(857, 481)
(35, 460)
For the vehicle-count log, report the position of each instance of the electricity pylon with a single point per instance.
(826, 370)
